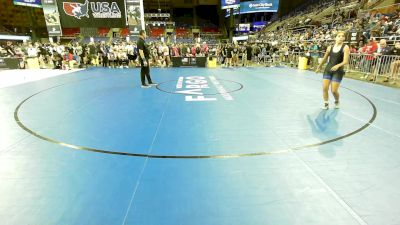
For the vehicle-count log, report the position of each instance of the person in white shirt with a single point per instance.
(111, 55)
(32, 51)
(130, 52)
(165, 50)
(160, 54)
(60, 49)
(78, 53)
(3, 52)
(32, 57)
(122, 56)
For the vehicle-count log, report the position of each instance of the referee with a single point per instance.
(144, 55)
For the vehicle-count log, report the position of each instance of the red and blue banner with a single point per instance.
(92, 13)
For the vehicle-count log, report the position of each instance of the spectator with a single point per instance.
(9, 49)
(395, 66)
(376, 30)
(368, 60)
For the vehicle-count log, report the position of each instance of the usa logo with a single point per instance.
(76, 10)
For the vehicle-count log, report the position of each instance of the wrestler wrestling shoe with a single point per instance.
(325, 106)
(337, 105)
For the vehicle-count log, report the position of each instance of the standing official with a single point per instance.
(144, 55)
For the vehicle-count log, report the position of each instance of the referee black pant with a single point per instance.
(145, 73)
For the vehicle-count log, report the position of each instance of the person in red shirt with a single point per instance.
(353, 49)
(368, 50)
(205, 48)
(193, 50)
(175, 51)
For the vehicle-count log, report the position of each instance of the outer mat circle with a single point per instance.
(105, 151)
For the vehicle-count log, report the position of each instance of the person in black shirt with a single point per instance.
(57, 60)
(184, 50)
(394, 66)
(92, 54)
(229, 55)
(224, 52)
(235, 55)
(296, 49)
(198, 49)
(144, 55)
(249, 50)
(42, 53)
(9, 49)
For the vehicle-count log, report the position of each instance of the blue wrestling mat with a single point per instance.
(242, 146)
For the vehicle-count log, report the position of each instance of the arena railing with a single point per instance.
(374, 66)
(388, 38)
(371, 66)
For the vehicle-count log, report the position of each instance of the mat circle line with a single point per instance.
(85, 148)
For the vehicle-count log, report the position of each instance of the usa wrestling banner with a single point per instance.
(135, 14)
(92, 13)
(52, 17)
